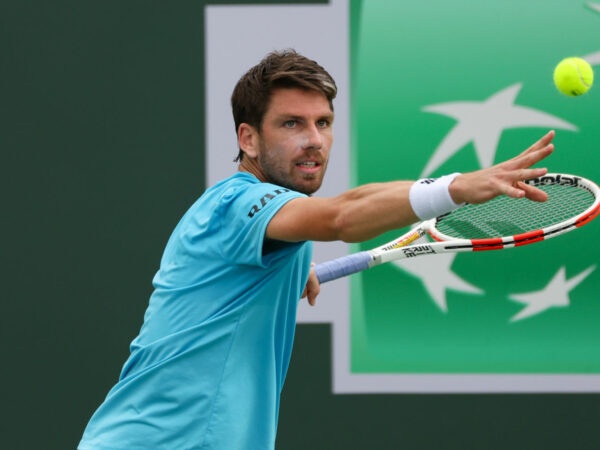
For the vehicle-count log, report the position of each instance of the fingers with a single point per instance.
(519, 169)
(312, 298)
(530, 157)
(528, 174)
(506, 178)
(534, 154)
(313, 288)
(311, 294)
(544, 141)
(519, 189)
(532, 193)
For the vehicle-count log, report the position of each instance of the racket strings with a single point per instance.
(505, 216)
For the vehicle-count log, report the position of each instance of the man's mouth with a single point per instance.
(308, 164)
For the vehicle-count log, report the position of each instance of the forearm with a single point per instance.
(372, 209)
(356, 215)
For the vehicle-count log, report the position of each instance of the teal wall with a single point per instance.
(102, 150)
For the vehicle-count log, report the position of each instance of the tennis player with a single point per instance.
(208, 366)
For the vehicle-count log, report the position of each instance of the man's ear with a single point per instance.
(248, 140)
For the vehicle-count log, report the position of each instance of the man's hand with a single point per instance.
(312, 288)
(505, 178)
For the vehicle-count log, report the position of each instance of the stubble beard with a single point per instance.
(276, 174)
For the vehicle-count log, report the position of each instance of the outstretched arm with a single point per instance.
(367, 211)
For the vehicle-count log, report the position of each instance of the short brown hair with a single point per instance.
(279, 69)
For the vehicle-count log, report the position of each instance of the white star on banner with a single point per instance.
(483, 123)
(555, 294)
(437, 276)
(594, 6)
(592, 58)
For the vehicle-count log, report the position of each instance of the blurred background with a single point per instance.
(114, 118)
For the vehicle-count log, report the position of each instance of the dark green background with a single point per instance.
(102, 140)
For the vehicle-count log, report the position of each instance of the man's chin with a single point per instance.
(308, 188)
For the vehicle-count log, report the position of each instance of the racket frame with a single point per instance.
(414, 243)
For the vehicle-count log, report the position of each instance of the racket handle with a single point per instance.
(341, 267)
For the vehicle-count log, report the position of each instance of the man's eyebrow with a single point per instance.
(293, 116)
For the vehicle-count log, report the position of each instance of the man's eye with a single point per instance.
(289, 123)
(323, 123)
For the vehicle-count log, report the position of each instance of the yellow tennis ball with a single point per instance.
(573, 76)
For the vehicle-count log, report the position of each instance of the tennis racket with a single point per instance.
(503, 222)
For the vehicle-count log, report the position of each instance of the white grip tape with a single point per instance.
(430, 197)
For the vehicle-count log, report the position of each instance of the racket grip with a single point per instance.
(341, 267)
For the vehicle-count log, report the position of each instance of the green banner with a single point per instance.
(440, 87)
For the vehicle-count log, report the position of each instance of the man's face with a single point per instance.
(295, 139)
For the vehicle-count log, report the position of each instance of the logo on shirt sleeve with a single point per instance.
(264, 200)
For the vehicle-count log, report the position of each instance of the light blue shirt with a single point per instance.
(207, 368)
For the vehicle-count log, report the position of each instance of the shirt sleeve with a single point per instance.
(245, 213)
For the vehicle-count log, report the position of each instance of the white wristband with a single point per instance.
(430, 197)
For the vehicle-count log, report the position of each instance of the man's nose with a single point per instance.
(314, 137)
